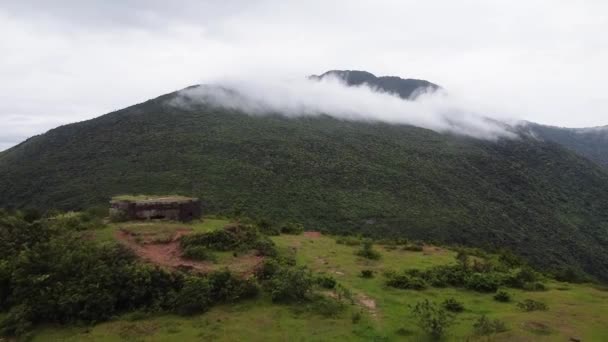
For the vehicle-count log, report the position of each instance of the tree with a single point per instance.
(432, 319)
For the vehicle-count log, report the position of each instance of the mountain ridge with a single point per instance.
(408, 88)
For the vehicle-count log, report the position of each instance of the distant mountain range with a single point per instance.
(530, 194)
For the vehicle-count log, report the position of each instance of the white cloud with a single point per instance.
(65, 61)
(437, 111)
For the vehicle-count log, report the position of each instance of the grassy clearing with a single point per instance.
(578, 311)
(108, 233)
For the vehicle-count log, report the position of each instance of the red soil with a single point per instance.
(312, 234)
(169, 255)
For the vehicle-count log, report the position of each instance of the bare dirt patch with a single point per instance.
(168, 254)
(312, 234)
(433, 250)
(368, 303)
(537, 327)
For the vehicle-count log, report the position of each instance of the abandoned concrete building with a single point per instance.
(176, 208)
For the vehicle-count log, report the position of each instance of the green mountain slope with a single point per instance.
(537, 198)
(588, 142)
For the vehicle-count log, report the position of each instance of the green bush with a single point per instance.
(405, 281)
(453, 305)
(485, 326)
(194, 297)
(267, 227)
(348, 240)
(570, 275)
(231, 237)
(290, 284)
(413, 247)
(522, 277)
(367, 273)
(326, 281)
(502, 296)
(532, 305)
(291, 228)
(432, 319)
(200, 253)
(264, 246)
(483, 282)
(355, 317)
(367, 251)
(534, 286)
(325, 306)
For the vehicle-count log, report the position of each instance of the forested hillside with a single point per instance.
(588, 142)
(537, 198)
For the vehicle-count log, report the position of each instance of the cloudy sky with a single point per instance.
(66, 61)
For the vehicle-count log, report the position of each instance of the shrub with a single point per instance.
(405, 281)
(531, 305)
(413, 247)
(510, 260)
(442, 276)
(291, 228)
(534, 286)
(432, 319)
(367, 273)
(482, 282)
(326, 281)
(264, 246)
(502, 296)
(343, 293)
(290, 284)
(266, 227)
(348, 240)
(267, 269)
(485, 326)
(200, 253)
(226, 287)
(194, 297)
(453, 305)
(326, 306)
(231, 237)
(367, 251)
(570, 275)
(522, 277)
(356, 317)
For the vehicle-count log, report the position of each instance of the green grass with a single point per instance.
(107, 234)
(574, 310)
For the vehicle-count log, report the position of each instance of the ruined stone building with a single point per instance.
(176, 208)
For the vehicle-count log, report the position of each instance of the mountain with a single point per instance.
(534, 197)
(405, 88)
(591, 142)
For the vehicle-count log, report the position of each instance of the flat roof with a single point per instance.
(152, 198)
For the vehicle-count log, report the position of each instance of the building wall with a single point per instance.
(178, 211)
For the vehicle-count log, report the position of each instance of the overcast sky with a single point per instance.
(66, 61)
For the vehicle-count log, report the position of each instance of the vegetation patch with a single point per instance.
(532, 305)
(432, 319)
(485, 326)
